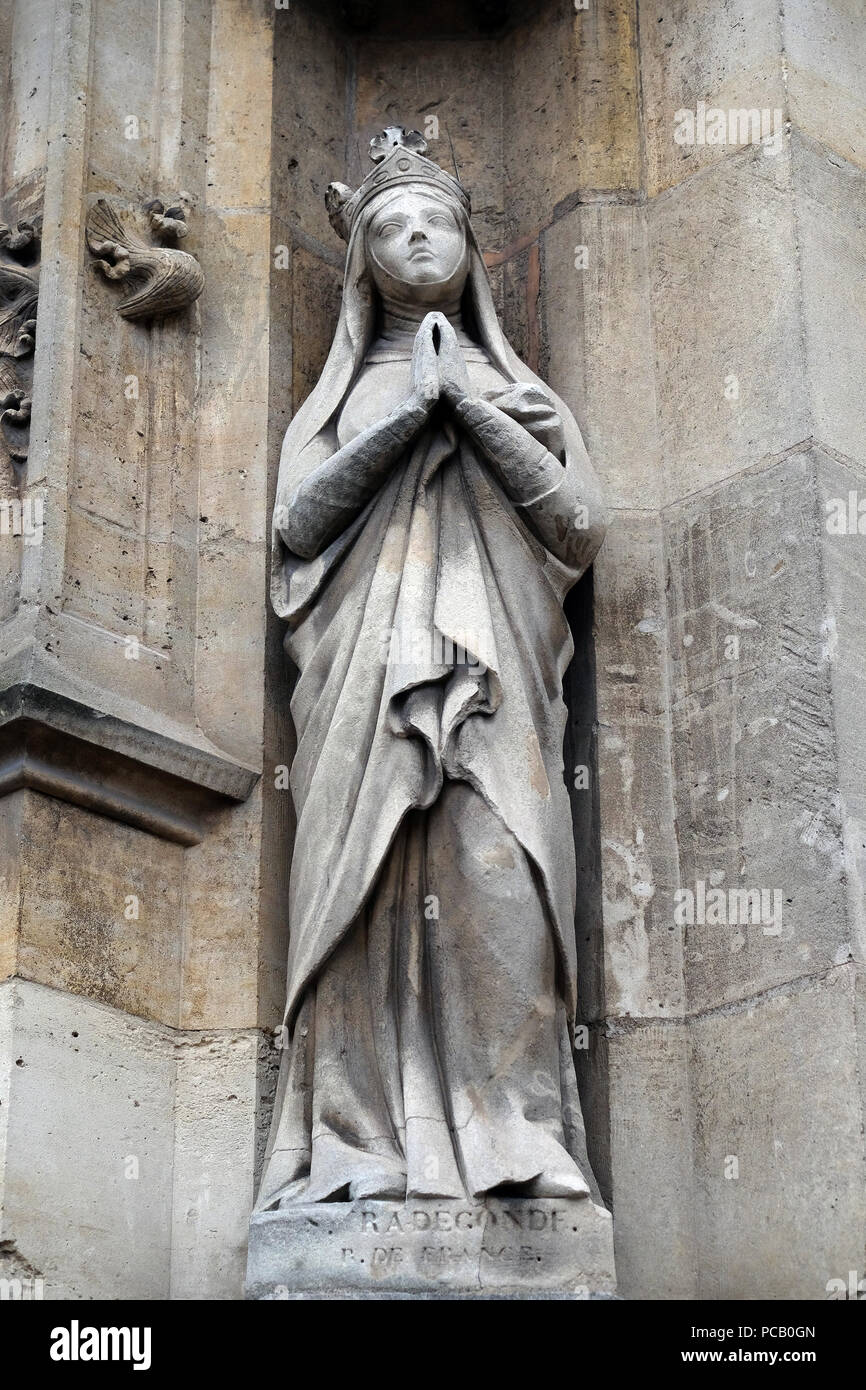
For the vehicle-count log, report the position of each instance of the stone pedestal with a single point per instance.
(513, 1248)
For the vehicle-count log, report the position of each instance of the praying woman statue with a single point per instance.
(435, 504)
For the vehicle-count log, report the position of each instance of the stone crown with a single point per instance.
(400, 157)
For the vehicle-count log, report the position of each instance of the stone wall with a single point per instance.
(135, 858)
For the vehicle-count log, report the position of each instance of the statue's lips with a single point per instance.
(422, 251)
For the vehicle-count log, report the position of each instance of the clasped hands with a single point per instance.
(439, 372)
(438, 366)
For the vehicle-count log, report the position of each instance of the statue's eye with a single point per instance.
(388, 228)
(440, 219)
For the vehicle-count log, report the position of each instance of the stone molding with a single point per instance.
(60, 747)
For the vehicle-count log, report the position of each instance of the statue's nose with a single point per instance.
(418, 234)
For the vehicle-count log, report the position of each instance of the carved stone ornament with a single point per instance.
(19, 293)
(435, 504)
(163, 279)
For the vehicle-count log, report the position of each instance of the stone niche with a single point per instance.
(536, 107)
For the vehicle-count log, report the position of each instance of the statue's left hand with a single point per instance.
(453, 374)
(532, 408)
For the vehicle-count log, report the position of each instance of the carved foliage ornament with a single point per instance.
(19, 292)
(162, 279)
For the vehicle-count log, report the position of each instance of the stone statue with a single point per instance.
(435, 504)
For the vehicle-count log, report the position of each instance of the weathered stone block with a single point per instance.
(730, 381)
(519, 304)
(826, 77)
(598, 343)
(729, 57)
(309, 116)
(98, 908)
(316, 292)
(89, 1139)
(641, 953)
(280, 344)
(580, 129)
(239, 108)
(28, 27)
(223, 883)
(214, 1119)
(111, 1123)
(123, 124)
(652, 1164)
(427, 1249)
(830, 201)
(754, 746)
(630, 622)
(844, 580)
(779, 1149)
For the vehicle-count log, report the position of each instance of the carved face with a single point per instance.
(416, 242)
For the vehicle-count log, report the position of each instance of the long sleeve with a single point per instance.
(562, 501)
(341, 485)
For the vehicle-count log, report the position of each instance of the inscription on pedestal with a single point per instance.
(362, 1249)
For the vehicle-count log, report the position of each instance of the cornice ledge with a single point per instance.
(72, 751)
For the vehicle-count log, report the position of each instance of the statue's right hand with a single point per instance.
(425, 365)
